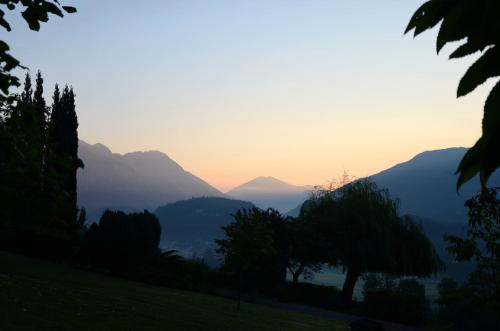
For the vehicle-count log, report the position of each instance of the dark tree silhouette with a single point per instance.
(477, 24)
(123, 241)
(255, 247)
(64, 146)
(482, 245)
(38, 173)
(365, 234)
(306, 248)
(27, 93)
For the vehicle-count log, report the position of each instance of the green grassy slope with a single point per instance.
(39, 295)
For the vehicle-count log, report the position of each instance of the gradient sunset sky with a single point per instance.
(301, 90)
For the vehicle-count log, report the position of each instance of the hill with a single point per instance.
(197, 220)
(426, 186)
(40, 295)
(133, 181)
(266, 192)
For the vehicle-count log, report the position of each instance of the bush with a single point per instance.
(311, 294)
(462, 308)
(122, 241)
(174, 271)
(404, 303)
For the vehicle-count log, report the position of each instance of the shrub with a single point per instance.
(404, 303)
(311, 294)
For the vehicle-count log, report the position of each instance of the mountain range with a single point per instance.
(133, 181)
(192, 211)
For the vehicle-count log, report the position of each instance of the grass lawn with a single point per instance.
(40, 295)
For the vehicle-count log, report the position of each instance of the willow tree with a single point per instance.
(364, 233)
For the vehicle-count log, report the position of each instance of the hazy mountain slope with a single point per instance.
(426, 186)
(267, 192)
(197, 219)
(133, 181)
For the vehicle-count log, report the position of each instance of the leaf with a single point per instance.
(487, 66)
(491, 134)
(51, 8)
(470, 164)
(30, 17)
(491, 118)
(419, 17)
(3, 22)
(69, 9)
(3, 46)
(453, 27)
(10, 62)
(466, 49)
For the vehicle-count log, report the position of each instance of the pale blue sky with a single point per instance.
(300, 90)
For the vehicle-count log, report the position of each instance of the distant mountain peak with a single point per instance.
(267, 184)
(266, 180)
(270, 192)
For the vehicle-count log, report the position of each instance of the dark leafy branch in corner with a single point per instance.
(477, 23)
(34, 12)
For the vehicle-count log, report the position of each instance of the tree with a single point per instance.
(365, 234)
(477, 24)
(34, 12)
(123, 241)
(38, 175)
(255, 247)
(64, 147)
(482, 245)
(27, 94)
(306, 248)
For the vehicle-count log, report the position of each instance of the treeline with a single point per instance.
(356, 227)
(38, 165)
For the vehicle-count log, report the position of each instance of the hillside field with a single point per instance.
(40, 295)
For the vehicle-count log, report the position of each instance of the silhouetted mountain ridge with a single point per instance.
(133, 181)
(426, 186)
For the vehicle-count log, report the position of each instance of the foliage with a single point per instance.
(461, 307)
(482, 245)
(364, 233)
(123, 241)
(37, 216)
(255, 247)
(311, 294)
(306, 248)
(400, 300)
(404, 303)
(477, 24)
(34, 12)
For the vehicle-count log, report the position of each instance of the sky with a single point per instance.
(302, 90)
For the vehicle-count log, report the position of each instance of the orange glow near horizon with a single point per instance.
(233, 90)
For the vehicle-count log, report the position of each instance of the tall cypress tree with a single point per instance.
(64, 140)
(40, 117)
(39, 103)
(27, 94)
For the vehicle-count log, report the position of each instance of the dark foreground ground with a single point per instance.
(40, 295)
